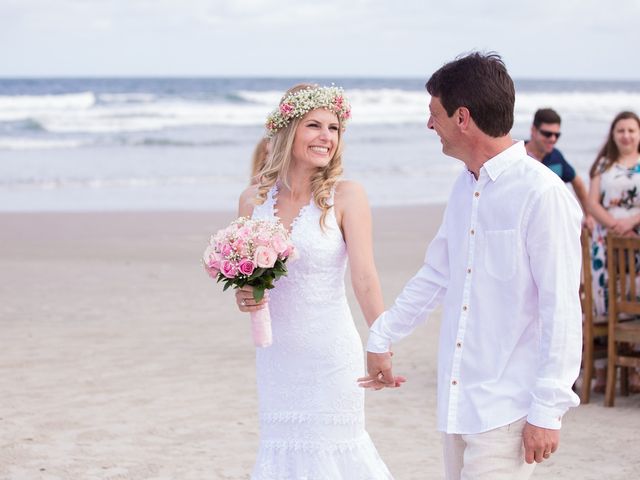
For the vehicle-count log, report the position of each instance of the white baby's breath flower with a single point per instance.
(299, 103)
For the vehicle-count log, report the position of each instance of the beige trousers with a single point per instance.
(494, 455)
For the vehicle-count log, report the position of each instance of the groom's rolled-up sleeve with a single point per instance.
(418, 298)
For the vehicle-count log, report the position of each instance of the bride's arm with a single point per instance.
(354, 217)
(245, 203)
(244, 295)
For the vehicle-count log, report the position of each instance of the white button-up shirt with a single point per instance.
(506, 265)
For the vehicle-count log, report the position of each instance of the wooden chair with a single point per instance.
(624, 298)
(593, 326)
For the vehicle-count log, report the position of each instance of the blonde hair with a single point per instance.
(259, 158)
(278, 164)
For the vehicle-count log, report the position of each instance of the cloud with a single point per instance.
(291, 37)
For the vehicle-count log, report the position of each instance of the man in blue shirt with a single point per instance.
(545, 132)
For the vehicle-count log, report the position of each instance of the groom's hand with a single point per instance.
(380, 374)
(539, 443)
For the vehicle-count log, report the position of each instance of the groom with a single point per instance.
(505, 263)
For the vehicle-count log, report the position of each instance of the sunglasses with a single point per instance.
(548, 134)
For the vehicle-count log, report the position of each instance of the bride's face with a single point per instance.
(316, 139)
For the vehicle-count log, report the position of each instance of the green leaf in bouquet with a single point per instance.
(257, 273)
(258, 293)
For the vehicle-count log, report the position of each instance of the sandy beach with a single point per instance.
(121, 359)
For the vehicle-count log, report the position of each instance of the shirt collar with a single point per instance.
(501, 162)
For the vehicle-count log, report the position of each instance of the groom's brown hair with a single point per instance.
(480, 83)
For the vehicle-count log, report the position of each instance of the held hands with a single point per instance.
(246, 302)
(624, 226)
(539, 443)
(589, 222)
(379, 372)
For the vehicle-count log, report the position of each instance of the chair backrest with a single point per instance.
(623, 259)
(586, 289)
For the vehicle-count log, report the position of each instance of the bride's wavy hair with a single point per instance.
(278, 163)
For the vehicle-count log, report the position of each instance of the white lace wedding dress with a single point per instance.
(311, 408)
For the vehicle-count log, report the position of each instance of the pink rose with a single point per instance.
(226, 250)
(246, 267)
(279, 244)
(212, 272)
(228, 269)
(265, 257)
(291, 253)
(238, 244)
(244, 233)
(262, 239)
(211, 258)
(286, 109)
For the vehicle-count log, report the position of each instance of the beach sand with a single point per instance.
(121, 359)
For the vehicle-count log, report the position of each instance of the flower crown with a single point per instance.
(297, 104)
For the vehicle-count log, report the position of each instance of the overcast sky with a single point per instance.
(588, 39)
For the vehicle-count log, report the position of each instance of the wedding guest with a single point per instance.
(311, 409)
(505, 263)
(614, 201)
(545, 133)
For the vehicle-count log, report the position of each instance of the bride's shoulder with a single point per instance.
(250, 192)
(350, 200)
(246, 203)
(347, 191)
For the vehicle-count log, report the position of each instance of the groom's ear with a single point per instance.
(463, 117)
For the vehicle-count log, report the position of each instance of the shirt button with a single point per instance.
(468, 270)
(477, 194)
(473, 232)
(464, 308)
(459, 344)
(454, 382)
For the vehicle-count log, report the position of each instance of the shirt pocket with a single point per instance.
(500, 253)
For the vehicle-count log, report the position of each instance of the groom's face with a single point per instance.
(444, 125)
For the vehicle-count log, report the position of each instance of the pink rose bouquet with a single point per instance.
(250, 252)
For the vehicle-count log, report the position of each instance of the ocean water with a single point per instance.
(185, 144)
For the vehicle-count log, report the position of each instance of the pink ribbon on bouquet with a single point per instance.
(261, 327)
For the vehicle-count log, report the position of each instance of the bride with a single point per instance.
(311, 408)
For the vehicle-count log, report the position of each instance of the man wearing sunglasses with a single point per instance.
(545, 132)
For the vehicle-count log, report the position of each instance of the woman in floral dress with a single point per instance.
(614, 197)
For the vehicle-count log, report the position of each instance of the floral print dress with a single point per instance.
(620, 196)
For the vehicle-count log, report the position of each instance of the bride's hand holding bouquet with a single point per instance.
(250, 253)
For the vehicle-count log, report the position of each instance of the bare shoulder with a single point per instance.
(348, 191)
(246, 201)
(350, 201)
